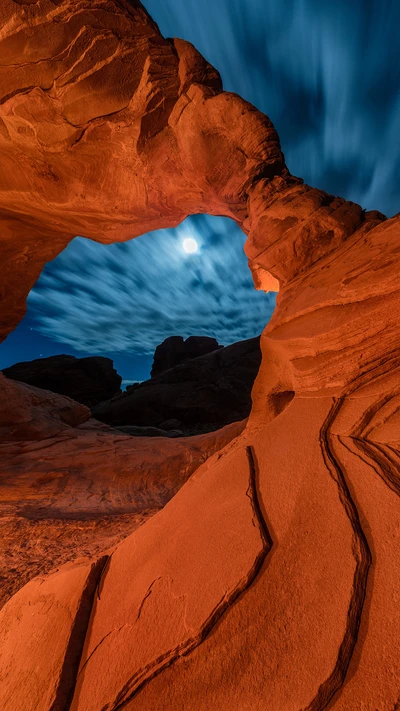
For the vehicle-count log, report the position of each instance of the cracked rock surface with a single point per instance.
(270, 579)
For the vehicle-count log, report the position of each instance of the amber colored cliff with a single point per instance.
(270, 579)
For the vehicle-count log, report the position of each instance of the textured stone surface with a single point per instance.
(115, 131)
(78, 489)
(270, 581)
(86, 380)
(29, 413)
(202, 394)
(44, 626)
(171, 606)
(175, 350)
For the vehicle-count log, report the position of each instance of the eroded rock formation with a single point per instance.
(175, 350)
(87, 380)
(95, 102)
(73, 487)
(270, 580)
(203, 394)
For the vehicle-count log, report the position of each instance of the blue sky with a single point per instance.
(122, 300)
(328, 75)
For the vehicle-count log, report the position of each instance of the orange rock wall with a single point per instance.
(270, 580)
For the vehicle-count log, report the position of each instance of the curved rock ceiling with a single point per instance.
(270, 580)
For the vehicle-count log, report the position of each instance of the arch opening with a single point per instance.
(122, 301)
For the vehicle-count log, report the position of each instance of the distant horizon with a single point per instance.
(49, 348)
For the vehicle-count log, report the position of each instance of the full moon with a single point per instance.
(190, 245)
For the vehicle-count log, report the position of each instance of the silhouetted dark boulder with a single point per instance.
(175, 350)
(86, 380)
(200, 395)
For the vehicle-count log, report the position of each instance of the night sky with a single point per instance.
(328, 75)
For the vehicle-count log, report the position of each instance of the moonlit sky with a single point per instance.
(328, 75)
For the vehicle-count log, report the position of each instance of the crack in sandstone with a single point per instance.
(365, 459)
(99, 645)
(148, 593)
(16, 92)
(73, 654)
(385, 468)
(59, 57)
(375, 369)
(144, 675)
(362, 429)
(363, 558)
(103, 573)
(376, 453)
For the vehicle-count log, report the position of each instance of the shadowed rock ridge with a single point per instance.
(87, 380)
(201, 394)
(117, 131)
(175, 350)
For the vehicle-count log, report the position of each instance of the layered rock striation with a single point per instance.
(270, 579)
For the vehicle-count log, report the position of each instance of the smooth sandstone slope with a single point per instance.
(270, 580)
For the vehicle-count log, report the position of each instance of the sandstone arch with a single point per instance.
(270, 580)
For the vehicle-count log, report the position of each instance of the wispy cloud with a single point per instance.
(128, 297)
(327, 74)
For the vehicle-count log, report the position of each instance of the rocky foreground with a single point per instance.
(72, 487)
(270, 579)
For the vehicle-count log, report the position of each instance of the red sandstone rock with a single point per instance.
(92, 99)
(271, 579)
(44, 627)
(171, 605)
(80, 489)
(29, 413)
